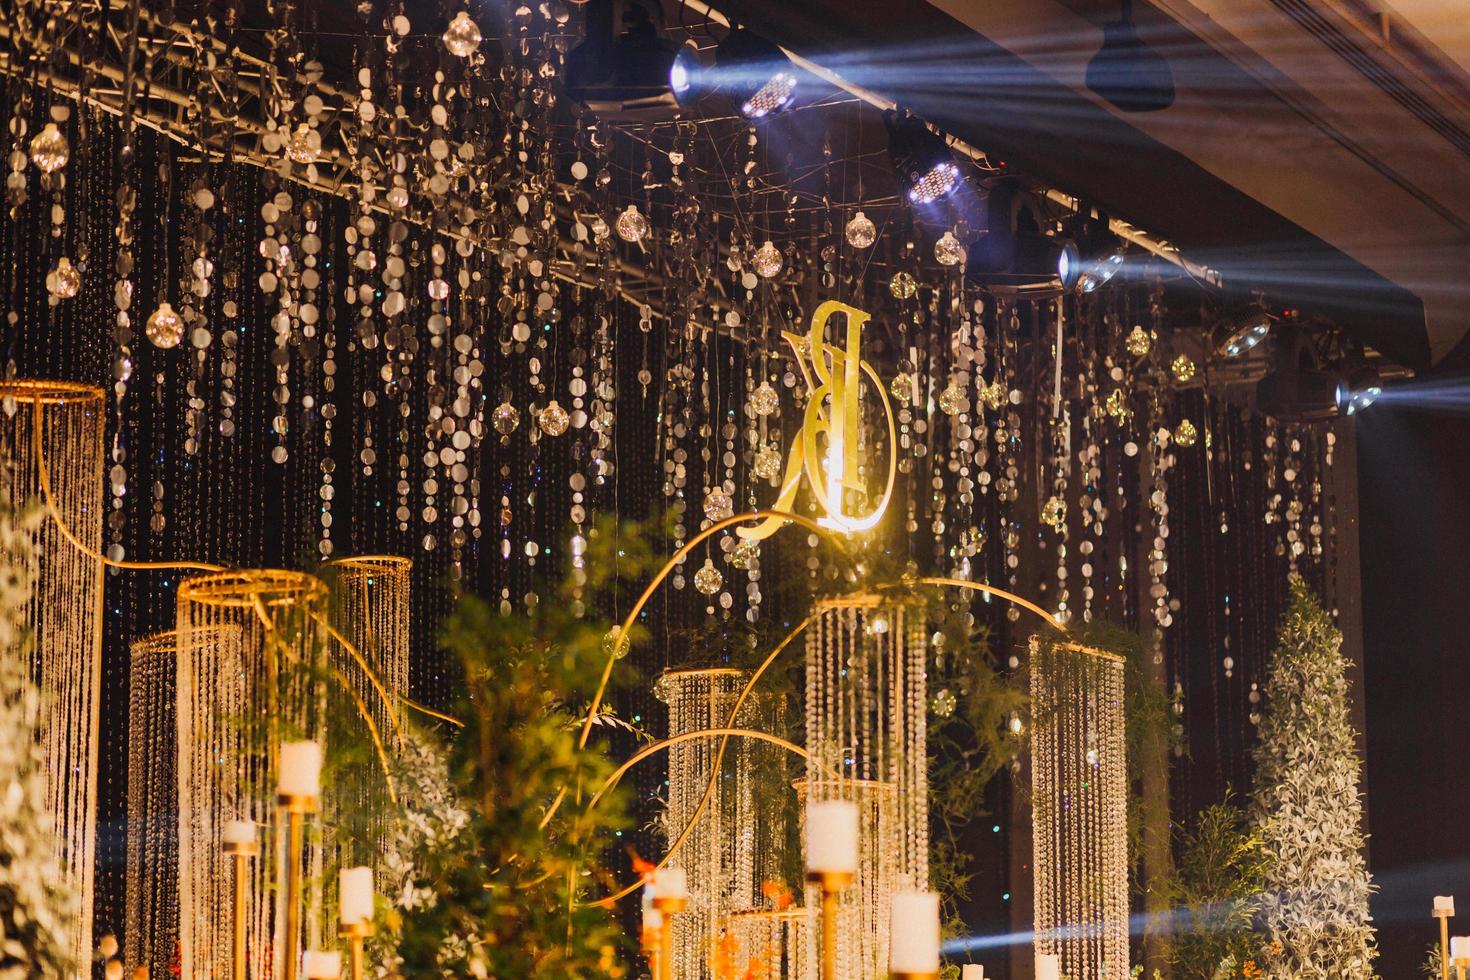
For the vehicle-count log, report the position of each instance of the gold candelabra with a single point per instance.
(651, 941)
(831, 884)
(356, 933)
(296, 807)
(242, 852)
(669, 906)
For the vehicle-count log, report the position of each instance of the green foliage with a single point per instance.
(515, 894)
(1216, 892)
(1432, 967)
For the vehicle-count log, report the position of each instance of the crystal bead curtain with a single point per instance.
(1079, 787)
(737, 844)
(249, 675)
(65, 611)
(768, 945)
(370, 606)
(866, 732)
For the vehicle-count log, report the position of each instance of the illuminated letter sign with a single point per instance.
(833, 379)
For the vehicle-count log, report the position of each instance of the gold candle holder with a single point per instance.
(650, 941)
(296, 809)
(242, 852)
(356, 933)
(670, 907)
(910, 975)
(1443, 915)
(1460, 965)
(832, 884)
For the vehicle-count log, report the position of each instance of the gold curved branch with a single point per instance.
(960, 583)
(724, 734)
(367, 669)
(409, 702)
(38, 440)
(367, 716)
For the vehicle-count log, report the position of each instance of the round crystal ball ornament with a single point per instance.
(948, 250)
(952, 399)
(462, 37)
(744, 554)
(718, 505)
(1183, 368)
(860, 231)
(767, 462)
(50, 150)
(506, 418)
(305, 145)
(165, 328)
(903, 286)
(1054, 512)
(1185, 434)
(631, 225)
(901, 387)
(1139, 342)
(708, 579)
(553, 419)
(764, 399)
(767, 261)
(64, 281)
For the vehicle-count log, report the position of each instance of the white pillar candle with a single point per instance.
(832, 837)
(355, 890)
(239, 832)
(913, 933)
(1444, 905)
(653, 919)
(671, 883)
(300, 769)
(1460, 948)
(1048, 966)
(972, 971)
(317, 965)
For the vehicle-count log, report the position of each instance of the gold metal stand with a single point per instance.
(651, 941)
(1460, 965)
(832, 884)
(670, 907)
(355, 933)
(907, 975)
(242, 853)
(1444, 943)
(296, 809)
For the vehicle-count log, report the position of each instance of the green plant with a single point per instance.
(1216, 893)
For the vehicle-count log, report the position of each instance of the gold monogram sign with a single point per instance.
(834, 378)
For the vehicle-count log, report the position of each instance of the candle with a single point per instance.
(653, 920)
(355, 888)
(300, 769)
(317, 965)
(1048, 966)
(1444, 905)
(972, 971)
(831, 837)
(1460, 948)
(913, 933)
(239, 832)
(672, 883)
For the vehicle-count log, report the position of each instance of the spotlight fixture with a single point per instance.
(685, 74)
(1127, 72)
(757, 74)
(922, 161)
(1297, 388)
(1015, 252)
(1359, 388)
(1243, 333)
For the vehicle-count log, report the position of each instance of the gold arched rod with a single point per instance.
(724, 734)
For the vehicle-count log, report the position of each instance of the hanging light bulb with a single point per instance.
(718, 505)
(767, 261)
(462, 37)
(764, 399)
(505, 418)
(708, 579)
(165, 328)
(948, 250)
(64, 281)
(860, 231)
(50, 150)
(631, 225)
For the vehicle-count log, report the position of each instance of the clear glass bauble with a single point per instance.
(506, 418)
(64, 281)
(901, 387)
(952, 399)
(631, 225)
(165, 328)
(1183, 368)
(1054, 512)
(767, 261)
(708, 579)
(553, 419)
(744, 554)
(860, 231)
(718, 505)
(948, 250)
(767, 462)
(903, 286)
(764, 399)
(305, 145)
(1185, 434)
(50, 150)
(1139, 341)
(462, 37)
